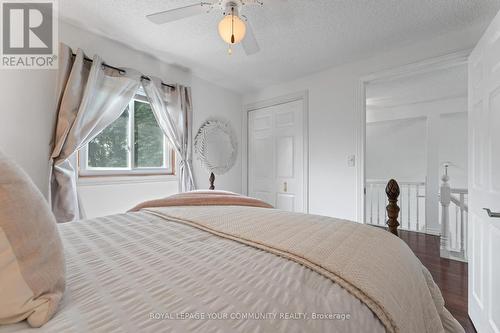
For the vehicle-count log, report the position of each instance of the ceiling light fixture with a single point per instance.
(232, 29)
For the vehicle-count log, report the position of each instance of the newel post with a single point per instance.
(392, 191)
(445, 199)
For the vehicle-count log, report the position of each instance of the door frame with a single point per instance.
(304, 97)
(420, 67)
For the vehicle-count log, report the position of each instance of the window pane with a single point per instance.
(148, 145)
(110, 148)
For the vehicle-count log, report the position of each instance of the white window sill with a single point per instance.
(116, 180)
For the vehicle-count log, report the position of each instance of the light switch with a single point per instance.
(351, 161)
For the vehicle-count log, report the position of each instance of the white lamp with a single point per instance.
(232, 29)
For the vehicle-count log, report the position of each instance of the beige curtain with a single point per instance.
(173, 112)
(90, 98)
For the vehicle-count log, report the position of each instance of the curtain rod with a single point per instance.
(121, 70)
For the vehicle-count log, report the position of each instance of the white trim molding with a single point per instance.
(420, 67)
(117, 180)
(302, 95)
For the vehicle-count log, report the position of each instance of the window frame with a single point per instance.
(169, 154)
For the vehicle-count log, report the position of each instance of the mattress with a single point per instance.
(137, 272)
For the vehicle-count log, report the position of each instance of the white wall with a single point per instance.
(453, 147)
(28, 118)
(114, 196)
(396, 149)
(401, 124)
(334, 123)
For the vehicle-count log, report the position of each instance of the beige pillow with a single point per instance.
(32, 267)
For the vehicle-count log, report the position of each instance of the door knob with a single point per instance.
(491, 214)
(285, 187)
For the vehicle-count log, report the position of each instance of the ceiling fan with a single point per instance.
(233, 27)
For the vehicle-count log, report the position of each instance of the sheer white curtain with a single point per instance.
(91, 97)
(173, 112)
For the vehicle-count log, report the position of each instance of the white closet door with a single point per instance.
(276, 155)
(484, 181)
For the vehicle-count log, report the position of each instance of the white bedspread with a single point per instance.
(125, 269)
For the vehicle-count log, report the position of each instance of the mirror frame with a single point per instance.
(200, 145)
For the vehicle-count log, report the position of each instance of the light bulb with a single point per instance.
(232, 25)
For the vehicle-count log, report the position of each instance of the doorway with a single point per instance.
(415, 131)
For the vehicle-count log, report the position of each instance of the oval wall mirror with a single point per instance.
(216, 146)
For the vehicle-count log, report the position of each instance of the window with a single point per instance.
(133, 144)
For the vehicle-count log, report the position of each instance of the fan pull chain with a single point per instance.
(230, 50)
(232, 25)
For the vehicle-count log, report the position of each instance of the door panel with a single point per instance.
(477, 283)
(284, 156)
(477, 149)
(285, 202)
(484, 184)
(495, 139)
(262, 122)
(261, 154)
(276, 155)
(493, 283)
(285, 118)
(263, 157)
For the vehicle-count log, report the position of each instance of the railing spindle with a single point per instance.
(371, 203)
(462, 221)
(401, 204)
(456, 241)
(378, 205)
(466, 233)
(417, 207)
(409, 208)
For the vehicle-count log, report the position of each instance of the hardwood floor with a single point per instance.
(450, 275)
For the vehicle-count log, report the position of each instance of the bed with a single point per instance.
(239, 268)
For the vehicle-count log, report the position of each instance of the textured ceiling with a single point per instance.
(418, 88)
(297, 37)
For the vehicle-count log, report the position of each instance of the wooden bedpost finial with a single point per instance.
(212, 181)
(392, 191)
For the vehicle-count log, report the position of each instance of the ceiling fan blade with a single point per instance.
(178, 13)
(249, 43)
